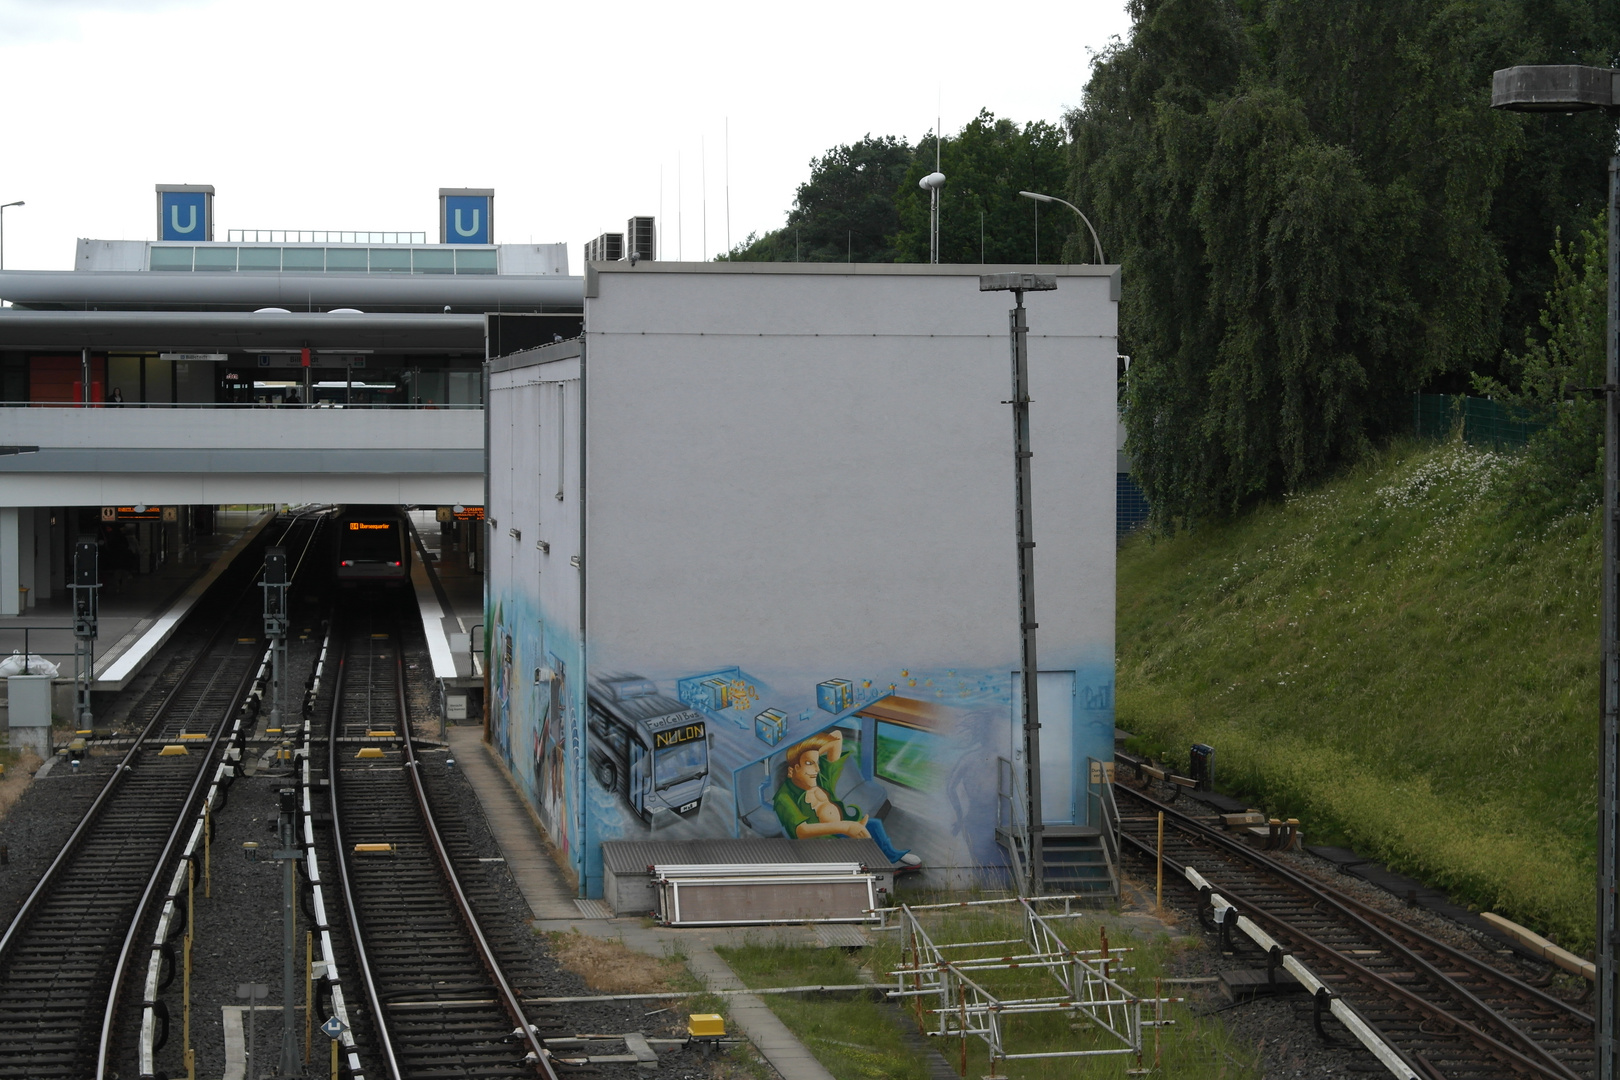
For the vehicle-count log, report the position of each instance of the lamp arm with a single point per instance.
(1096, 242)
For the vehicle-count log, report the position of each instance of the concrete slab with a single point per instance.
(515, 827)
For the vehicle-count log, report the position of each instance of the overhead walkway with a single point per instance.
(230, 455)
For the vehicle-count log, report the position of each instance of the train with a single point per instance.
(372, 546)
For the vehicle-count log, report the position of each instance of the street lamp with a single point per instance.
(1038, 197)
(3, 207)
(1575, 88)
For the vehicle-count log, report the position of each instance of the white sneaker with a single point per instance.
(908, 859)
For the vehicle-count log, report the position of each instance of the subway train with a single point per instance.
(372, 546)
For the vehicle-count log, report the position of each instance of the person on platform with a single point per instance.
(117, 397)
(807, 804)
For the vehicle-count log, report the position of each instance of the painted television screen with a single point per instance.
(906, 754)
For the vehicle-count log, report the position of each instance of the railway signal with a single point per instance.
(1567, 88)
(86, 584)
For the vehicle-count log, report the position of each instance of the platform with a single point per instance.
(139, 615)
(450, 596)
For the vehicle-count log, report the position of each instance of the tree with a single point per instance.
(982, 218)
(1301, 195)
(844, 212)
(1562, 467)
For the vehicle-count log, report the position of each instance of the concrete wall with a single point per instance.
(532, 567)
(107, 456)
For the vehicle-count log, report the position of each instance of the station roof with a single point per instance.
(310, 291)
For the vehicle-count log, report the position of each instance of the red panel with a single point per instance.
(58, 378)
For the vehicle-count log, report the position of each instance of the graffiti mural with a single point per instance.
(906, 757)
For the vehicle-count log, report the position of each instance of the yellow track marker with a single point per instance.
(173, 750)
(370, 752)
(373, 847)
(194, 735)
(381, 735)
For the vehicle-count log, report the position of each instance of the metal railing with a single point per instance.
(1012, 825)
(1104, 812)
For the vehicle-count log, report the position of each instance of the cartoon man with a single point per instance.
(808, 807)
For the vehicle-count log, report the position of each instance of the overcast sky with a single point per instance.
(351, 114)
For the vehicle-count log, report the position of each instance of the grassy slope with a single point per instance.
(1396, 663)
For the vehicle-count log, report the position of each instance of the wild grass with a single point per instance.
(856, 1041)
(1396, 661)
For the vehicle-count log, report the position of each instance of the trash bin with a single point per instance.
(1202, 766)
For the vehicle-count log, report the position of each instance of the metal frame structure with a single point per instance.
(964, 1007)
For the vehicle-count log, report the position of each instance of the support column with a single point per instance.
(27, 557)
(43, 589)
(10, 555)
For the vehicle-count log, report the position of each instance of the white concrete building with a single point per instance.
(760, 504)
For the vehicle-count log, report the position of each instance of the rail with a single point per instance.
(240, 704)
(1419, 961)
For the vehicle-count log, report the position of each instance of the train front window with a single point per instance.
(677, 764)
(371, 541)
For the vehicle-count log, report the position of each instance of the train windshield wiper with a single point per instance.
(681, 779)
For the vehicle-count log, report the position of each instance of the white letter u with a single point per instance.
(174, 218)
(467, 232)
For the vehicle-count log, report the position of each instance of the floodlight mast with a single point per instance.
(1576, 88)
(1018, 284)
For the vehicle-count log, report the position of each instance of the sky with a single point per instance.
(351, 114)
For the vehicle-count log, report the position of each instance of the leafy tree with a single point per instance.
(844, 212)
(1302, 196)
(982, 218)
(1562, 467)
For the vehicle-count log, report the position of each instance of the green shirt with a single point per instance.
(793, 808)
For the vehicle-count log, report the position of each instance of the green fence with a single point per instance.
(1484, 422)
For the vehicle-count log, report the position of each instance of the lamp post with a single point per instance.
(1018, 284)
(1038, 197)
(3, 208)
(931, 184)
(1575, 88)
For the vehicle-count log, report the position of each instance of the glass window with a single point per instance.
(216, 258)
(303, 258)
(906, 755)
(434, 261)
(259, 258)
(351, 259)
(478, 261)
(390, 261)
(171, 258)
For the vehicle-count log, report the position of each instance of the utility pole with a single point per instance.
(1018, 284)
(287, 854)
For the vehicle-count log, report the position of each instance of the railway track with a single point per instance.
(70, 950)
(434, 987)
(1451, 1015)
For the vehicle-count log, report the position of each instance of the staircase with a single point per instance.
(1075, 859)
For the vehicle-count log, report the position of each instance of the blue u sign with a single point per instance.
(184, 216)
(466, 219)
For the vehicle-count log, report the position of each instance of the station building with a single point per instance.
(269, 366)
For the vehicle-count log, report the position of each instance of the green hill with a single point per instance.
(1395, 662)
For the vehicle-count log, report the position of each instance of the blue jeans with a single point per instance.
(881, 837)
